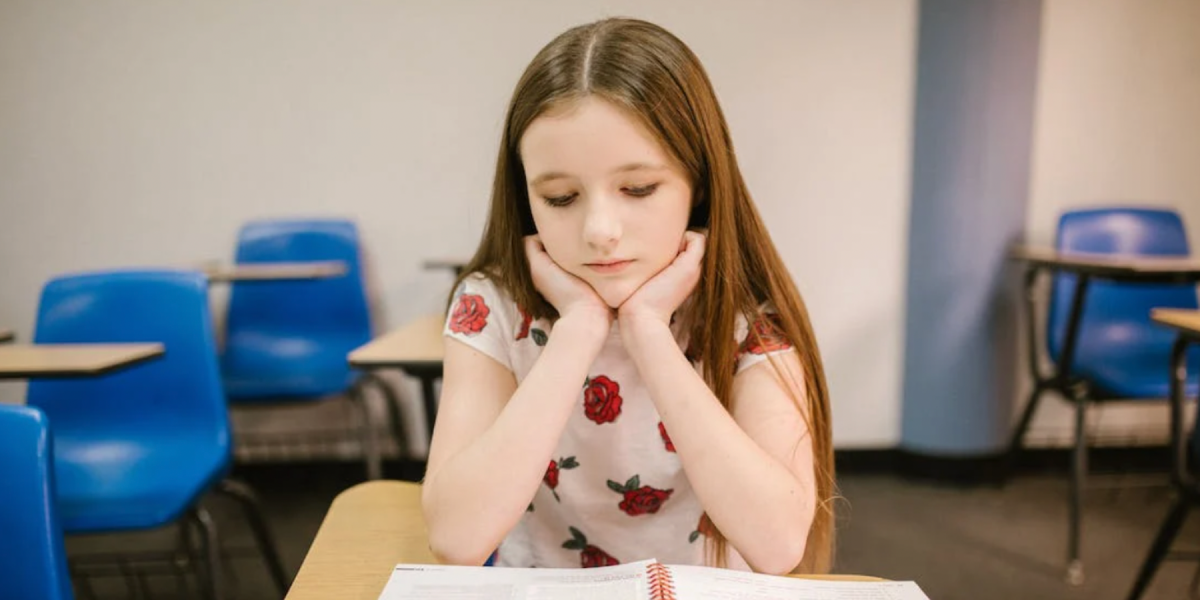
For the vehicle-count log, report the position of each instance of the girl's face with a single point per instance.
(610, 205)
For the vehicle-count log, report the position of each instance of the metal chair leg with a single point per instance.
(1078, 476)
(212, 549)
(392, 404)
(262, 533)
(1162, 543)
(371, 455)
(1016, 444)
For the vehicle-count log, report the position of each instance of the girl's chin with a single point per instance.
(615, 293)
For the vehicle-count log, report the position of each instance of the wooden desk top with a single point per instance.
(6, 335)
(447, 263)
(296, 271)
(1186, 321)
(369, 529)
(418, 343)
(25, 361)
(1156, 268)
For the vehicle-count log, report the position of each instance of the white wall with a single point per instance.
(143, 133)
(1118, 121)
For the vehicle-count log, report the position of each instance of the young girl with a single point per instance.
(630, 372)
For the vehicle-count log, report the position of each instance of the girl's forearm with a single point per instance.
(479, 494)
(755, 500)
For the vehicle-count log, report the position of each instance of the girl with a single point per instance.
(629, 371)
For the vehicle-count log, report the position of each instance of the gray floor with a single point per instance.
(978, 543)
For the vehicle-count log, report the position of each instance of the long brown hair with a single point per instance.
(656, 78)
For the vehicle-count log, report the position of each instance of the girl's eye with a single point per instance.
(560, 200)
(641, 191)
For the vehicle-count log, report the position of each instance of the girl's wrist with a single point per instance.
(583, 327)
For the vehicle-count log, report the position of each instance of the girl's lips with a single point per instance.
(609, 267)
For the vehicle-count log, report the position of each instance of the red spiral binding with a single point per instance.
(662, 586)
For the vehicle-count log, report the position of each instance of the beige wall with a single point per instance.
(142, 133)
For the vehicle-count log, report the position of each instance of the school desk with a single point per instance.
(416, 348)
(27, 361)
(291, 271)
(1086, 267)
(369, 529)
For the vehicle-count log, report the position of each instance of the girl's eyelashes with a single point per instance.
(639, 191)
(559, 200)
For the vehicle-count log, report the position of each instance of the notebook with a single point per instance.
(645, 580)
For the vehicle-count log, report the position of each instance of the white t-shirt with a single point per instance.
(614, 490)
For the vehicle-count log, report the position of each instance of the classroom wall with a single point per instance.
(1117, 121)
(141, 133)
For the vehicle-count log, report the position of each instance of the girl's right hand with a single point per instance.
(570, 295)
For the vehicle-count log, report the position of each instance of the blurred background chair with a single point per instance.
(138, 449)
(33, 564)
(287, 342)
(1120, 354)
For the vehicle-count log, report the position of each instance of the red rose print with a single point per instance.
(703, 528)
(770, 336)
(525, 321)
(470, 315)
(590, 556)
(639, 499)
(551, 476)
(602, 399)
(662, 431)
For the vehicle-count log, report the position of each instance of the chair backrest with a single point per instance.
(302, 309)
(1131, 231)
(179, 394)
(32, 560)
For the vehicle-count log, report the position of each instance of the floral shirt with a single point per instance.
(614, 490)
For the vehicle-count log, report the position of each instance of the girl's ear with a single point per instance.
(699, 217)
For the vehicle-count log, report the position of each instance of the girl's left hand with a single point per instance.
(662, 294)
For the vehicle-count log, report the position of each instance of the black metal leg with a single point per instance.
(1018, 438)
(430, 401)
(371, 456)
(1162, 543)
(262, 533)
(392, 405)
(1078, 476)
(212, 548)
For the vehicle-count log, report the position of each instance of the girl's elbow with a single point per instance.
(782, 557)
(450, 551)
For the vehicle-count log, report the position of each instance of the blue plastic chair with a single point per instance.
(1120, 353)
(287, 342)
(34, 565)
(138, 448)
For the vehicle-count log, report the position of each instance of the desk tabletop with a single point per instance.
(292, 271)
(24, 361)
(453, 263)
(416, 343)
(1186, 321)
(6, 335)
(1184, 268)
(369, 529)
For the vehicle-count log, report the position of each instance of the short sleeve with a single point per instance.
(769, 341)
(482, 317)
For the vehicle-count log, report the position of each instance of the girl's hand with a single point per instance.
(662, 294)
(570, 295)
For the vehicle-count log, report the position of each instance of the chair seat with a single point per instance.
(112, 485)
(263, 368)
(1130, 360)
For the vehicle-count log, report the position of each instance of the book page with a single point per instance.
(440, 582)
(707, 583)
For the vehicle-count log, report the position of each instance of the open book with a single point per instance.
(646, 580)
